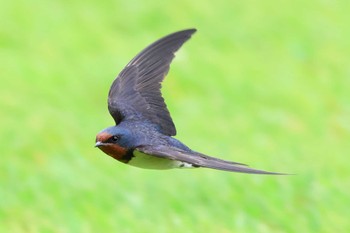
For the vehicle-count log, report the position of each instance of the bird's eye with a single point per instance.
(115, 138)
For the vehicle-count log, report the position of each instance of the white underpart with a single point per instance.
(152, 162)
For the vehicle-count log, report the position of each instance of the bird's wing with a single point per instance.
(199, 160)
(135, 93)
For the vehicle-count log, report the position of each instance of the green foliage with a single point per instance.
(262, 82)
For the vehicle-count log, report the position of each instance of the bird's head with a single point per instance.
(114, 141)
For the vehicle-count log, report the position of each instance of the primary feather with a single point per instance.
(135, 94)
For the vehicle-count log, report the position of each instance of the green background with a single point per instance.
(265, 83)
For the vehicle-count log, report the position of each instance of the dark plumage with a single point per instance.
(143, 133)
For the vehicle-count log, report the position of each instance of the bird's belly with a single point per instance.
(152, 162)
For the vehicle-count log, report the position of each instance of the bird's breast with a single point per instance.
(147, 161)
(142, 160)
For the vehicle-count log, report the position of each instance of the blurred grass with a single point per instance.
(262, 82)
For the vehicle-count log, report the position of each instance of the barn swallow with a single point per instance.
(144, 130)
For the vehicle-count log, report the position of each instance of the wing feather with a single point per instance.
(135, 93)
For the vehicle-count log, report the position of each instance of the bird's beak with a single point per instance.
(98, 144)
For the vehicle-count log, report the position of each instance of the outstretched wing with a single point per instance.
(135, 93)
(200, 160)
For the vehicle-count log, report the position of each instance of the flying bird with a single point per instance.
(144, 130)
